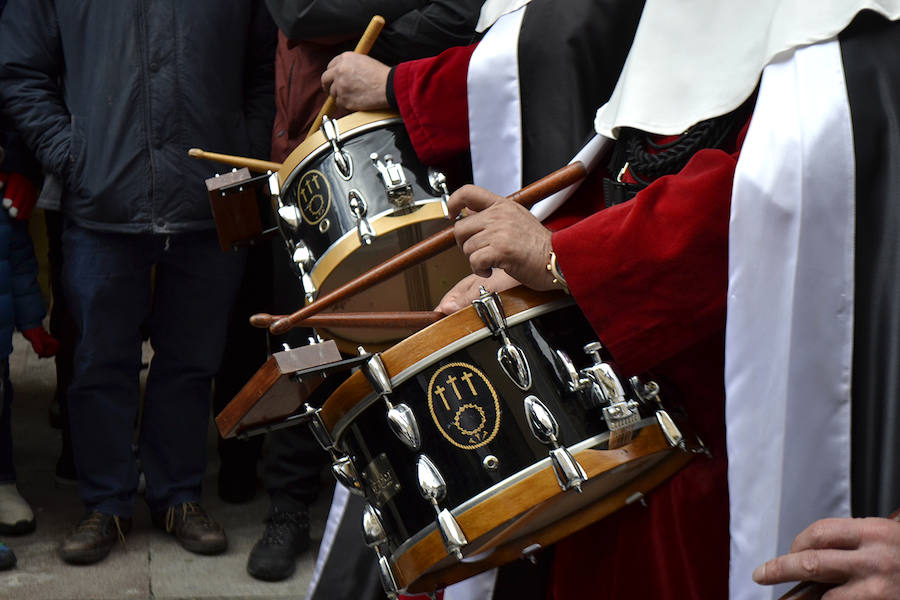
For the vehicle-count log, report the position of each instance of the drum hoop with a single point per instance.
(416, 572)
(351, 125)
(411, 370)
(383, 223)
(516, 477)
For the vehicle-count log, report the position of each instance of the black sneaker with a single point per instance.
(274, 556)
(93, 538)
(194, 529)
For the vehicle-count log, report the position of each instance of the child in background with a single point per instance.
(22, 307)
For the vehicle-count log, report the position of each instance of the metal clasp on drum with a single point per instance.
(399, 190)
(342, 160)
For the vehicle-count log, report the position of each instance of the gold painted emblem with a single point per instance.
(464, 405)
(313, 196)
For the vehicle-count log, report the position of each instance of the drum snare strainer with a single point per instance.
(477, 440)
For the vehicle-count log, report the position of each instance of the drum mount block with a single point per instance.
(235, 199)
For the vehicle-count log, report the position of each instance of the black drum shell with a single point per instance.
(338, 255)
(384, 137)
(372, 445)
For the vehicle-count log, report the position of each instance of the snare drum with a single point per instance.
(353, 195)
(478, 440)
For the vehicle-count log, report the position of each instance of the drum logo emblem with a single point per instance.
(464, 405)
(313, 196)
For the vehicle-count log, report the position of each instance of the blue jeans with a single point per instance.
(110, 283)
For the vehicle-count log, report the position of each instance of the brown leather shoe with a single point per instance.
(195, 530)
(93, 538)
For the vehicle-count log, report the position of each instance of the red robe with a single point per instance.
(431, 95)
(651, 277)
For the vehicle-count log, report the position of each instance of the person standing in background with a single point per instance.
(110, 95)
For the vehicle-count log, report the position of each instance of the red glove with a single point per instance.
(18, 194)
(43, 343)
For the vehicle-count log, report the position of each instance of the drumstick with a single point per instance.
(386, 320)
(363, 47)
(813, 590)
(430, 246)
(254, 164)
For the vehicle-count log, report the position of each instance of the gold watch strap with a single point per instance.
(558, 278)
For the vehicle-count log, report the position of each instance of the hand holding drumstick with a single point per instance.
(357, 82)
(840, 559)
(363, 47)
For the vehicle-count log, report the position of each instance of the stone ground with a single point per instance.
(151, 565)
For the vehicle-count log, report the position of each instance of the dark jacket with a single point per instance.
(110, 94)
(414, 28)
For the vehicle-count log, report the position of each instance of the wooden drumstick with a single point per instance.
(380, 320)
(813, 590)
(363, 47)
(254, 164)
(430, 246)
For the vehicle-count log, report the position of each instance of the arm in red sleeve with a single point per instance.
(651, 274)
(431, 96)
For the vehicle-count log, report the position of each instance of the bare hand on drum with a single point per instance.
(861, 556)
(468, 288)
(357, 82)
(498, 233)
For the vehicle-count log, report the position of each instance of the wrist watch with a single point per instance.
(558, 278)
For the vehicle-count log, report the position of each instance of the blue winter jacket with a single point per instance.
(21, 302)
(110, 94)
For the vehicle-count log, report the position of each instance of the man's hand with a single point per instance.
(357, 82)
(860, 556)
(17, 195)
(468, 288)
(498, 233)
(44, 344)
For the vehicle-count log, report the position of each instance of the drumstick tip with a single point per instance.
(261, 320)
(195, 152)
(280, 326)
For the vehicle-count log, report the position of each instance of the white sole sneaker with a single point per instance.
(16, 516)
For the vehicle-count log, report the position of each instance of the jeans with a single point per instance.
(181, 288)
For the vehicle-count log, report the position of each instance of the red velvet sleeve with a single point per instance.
(431, 95)
(651, 274)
